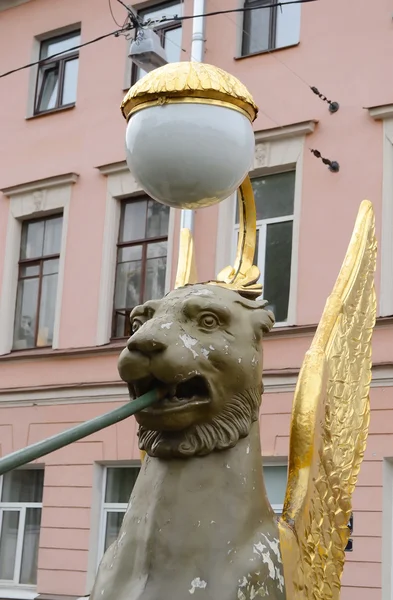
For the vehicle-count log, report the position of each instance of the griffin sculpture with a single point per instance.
(199, 522)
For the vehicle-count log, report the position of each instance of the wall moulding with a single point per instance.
(384, 113)
(28, 200)
(275, 382)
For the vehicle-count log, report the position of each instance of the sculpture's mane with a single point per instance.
(224, 431)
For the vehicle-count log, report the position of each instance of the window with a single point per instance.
(20, 520)
(269, 28)
(141, 258)
(118, 485)
(169, 32)
(276, 484)
(274, 200)
(57, 75)
(37, 283)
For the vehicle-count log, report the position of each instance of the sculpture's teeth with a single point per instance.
(172, 391)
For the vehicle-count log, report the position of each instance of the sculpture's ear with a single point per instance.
(263, 320)
(146, 311)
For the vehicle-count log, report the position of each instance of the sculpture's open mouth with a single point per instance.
(191, 392)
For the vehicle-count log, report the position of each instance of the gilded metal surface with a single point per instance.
(187, 100)
(330, 420)
(186, 268)
(192, 80)
(243, 276)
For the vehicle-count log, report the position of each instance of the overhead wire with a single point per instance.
(112, 15)
(230, 10)
(133, 22)
(248, 34)
(44, 60)
(333, 165)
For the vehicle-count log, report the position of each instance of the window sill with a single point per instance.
(33, 349)
(48, 352)
(18, 593)
(51, 112)
(266, 51)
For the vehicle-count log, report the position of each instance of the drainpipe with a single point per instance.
(197, 48)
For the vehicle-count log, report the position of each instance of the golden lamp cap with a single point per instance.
(189, 82)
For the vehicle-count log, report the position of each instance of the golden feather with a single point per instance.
(330, 419)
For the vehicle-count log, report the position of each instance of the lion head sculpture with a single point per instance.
(201, 345)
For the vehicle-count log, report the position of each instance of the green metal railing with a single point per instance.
(55, 442)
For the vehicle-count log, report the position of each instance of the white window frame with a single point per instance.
(387, 529)
(106, 508)
(277, 508)
(27, 201)
(276, 150)
(385, 114)
(33, 71)
(109, 507)
(8, 588)
(120, 185)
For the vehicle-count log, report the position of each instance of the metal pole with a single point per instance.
(197, 50)
(26, 455)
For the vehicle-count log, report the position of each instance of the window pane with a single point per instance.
(274, 195)
(172, 44)
(157, 250)
(128, 284)
(32, 239)
(140, 73)
(155, 279)
(70, 81)
(155, 271)
(275, 483)
(278, 268)
(288, 25)
(8, 539)
(60, 44)
(47, 310)
(133, 221)
(122, 326)
(256, 25)
(47, 91)
(50, 266)
(119, 484)
(157, 219)
(113, 524)
(129, 253)
(52, 236)
(26, 314)
(23, 485)
(29, 270)
(31, 538)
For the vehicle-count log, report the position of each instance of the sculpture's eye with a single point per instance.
(135, 325)
(208, 321)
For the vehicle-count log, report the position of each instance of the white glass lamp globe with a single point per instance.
(189, 148)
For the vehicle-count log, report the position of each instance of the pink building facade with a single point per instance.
(80, 245)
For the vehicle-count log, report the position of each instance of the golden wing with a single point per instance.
(329, 427)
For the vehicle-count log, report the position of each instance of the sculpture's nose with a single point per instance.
(145, 343)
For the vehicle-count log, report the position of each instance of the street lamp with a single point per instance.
(189, 138)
